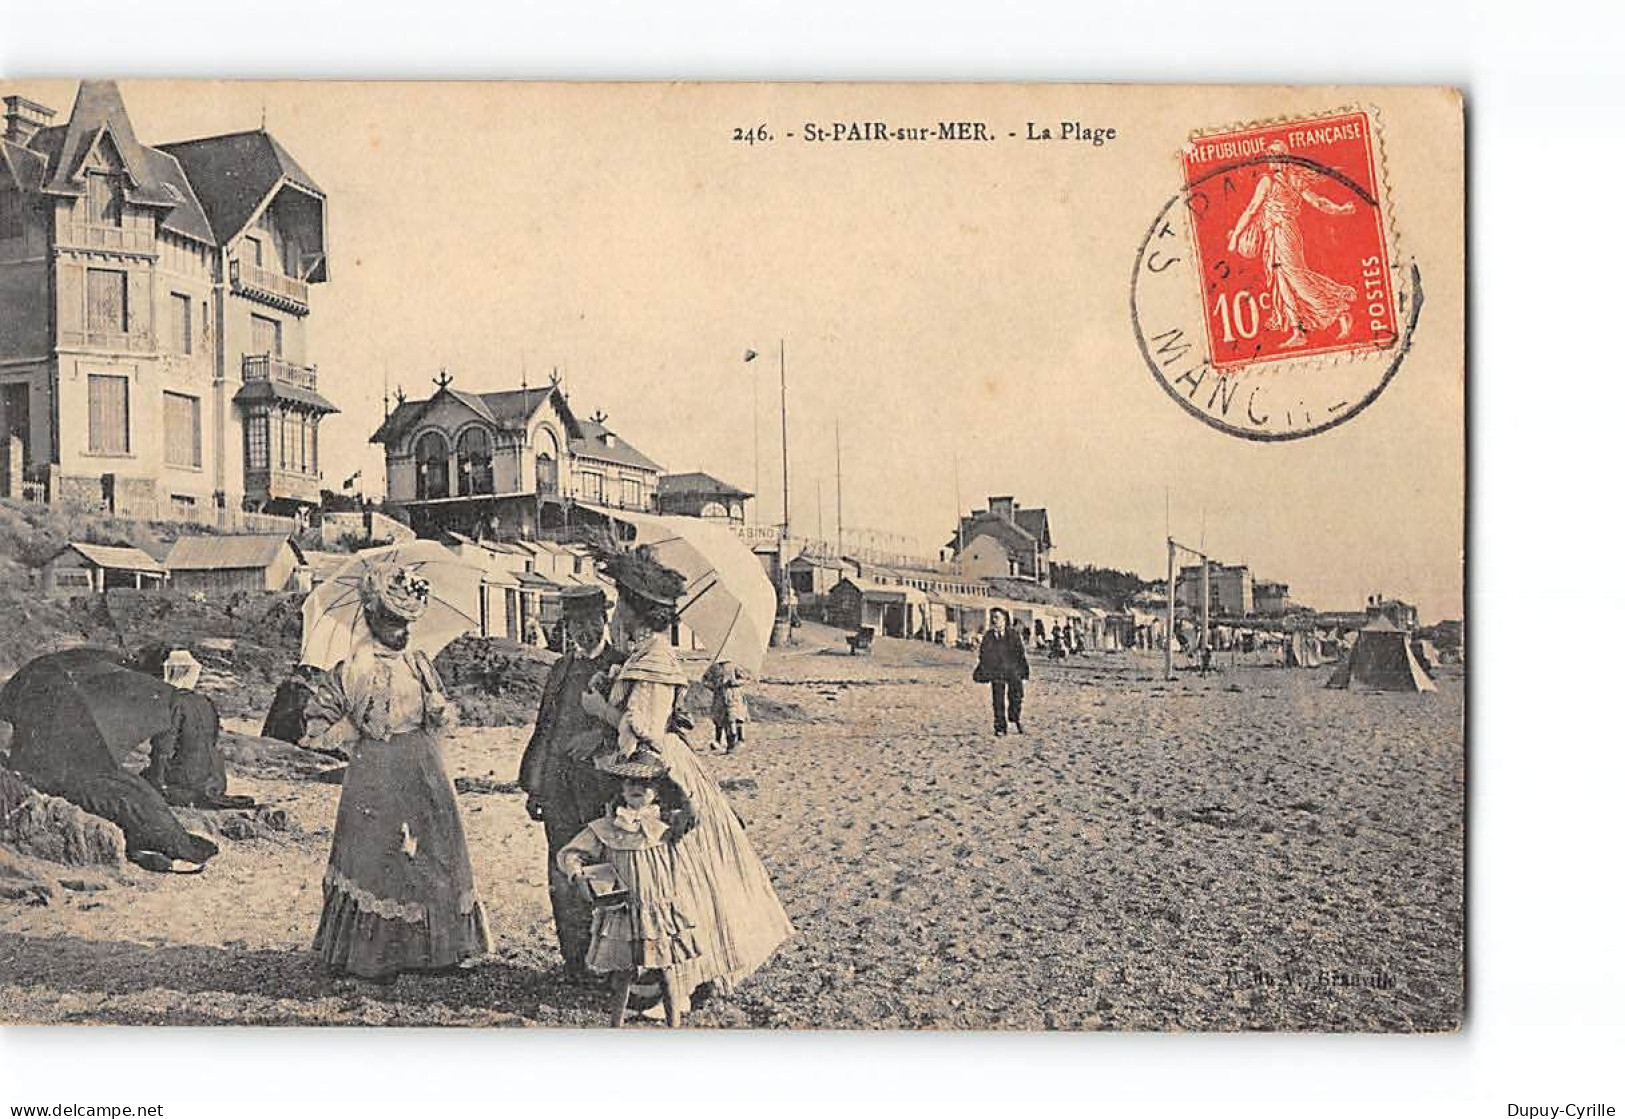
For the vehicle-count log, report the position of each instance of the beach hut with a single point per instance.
(224, 565)
(91, 568)
(1300, 650)
(1381, 660)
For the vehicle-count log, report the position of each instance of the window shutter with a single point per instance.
(107, 301)
(109, 415)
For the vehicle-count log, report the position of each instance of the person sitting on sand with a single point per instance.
(624, 864)
(185, 765)
(1002, 662)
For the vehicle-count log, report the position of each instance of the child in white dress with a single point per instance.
(624, 864)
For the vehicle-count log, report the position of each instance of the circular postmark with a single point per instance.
(1266, 298)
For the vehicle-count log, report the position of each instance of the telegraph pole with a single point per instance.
(1168, 636)
(784, 439)
(840, 525)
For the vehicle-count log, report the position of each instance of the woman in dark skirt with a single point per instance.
(399, 892)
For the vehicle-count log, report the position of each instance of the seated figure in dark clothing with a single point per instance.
(185, 765)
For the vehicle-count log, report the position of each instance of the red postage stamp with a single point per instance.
(1290, 239)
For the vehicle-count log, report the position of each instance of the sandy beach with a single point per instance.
(1246, 850)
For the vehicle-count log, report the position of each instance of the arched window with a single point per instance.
(433, 457)
(474, 462)
(547, 462)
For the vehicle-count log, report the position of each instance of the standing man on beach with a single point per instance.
(564, 791)
(1002, 663)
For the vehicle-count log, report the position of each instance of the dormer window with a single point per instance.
(105, 197)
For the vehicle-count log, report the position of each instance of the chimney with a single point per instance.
(24, 118)
(1003, 508)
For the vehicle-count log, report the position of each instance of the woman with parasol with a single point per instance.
(398, 894)
(1301, 299)
(721, 883)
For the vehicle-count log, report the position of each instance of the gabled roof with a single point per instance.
(235, 173)
(1013, 536)
(1035, 522)
(598, 442)
(698, 482)
(54, 156)
(509, 410)
(224, 553)
(116, 557)
(98, 110)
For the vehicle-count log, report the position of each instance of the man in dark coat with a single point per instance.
(564, 789)
(1003, 663)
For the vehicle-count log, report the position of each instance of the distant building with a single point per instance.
(1270, 599)
(1230, 589)
(813, 576)
(698, 494)
(153, 311)
(506, 464)
(1402, 614)
(224, 565)
(1004, 541)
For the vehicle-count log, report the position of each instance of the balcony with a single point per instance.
(269, 484)
(266, 367)
(107, 239)
(270, 287)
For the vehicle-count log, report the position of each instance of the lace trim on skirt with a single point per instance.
(411, 911)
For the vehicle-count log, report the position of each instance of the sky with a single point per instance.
(960, 312)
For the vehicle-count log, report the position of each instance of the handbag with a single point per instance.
(980, 674)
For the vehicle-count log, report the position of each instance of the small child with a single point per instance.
(729, 713)
(623, 863)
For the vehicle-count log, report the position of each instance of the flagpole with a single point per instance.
(840, 529)
(784, 439)
(756, 428)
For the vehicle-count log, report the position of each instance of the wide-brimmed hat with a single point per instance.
(640, 575)
(642, 765)
(583, 601)
(394, 590)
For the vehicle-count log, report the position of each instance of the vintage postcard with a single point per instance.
(732, 556)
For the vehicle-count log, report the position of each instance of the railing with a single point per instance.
(854, 548)
(270, 286)
(108, 239)
(265, 367)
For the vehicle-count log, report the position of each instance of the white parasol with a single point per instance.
(333, 611)
(730, 603)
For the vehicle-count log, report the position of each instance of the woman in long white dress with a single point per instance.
(739, 921)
